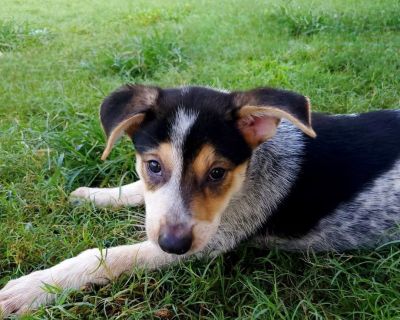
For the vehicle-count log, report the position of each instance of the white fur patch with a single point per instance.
(349, 115)
(91, 266)
(166, 204)
(128, 195)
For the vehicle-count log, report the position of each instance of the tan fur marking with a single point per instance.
(208, 204)
(129, 125)
(308, 106)
(162, 154)
(204, 160)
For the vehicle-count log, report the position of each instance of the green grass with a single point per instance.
(58, 59)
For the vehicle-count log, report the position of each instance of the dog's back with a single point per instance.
(346, 190)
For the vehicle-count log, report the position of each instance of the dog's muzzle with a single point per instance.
(175, 239)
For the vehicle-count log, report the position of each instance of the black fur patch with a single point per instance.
(220, 133)
(124, 102)
(344, 159)
(152, 132)
(211, 125)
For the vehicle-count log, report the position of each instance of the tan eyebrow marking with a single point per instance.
(208, 203)
(162, 154)
(206, 159)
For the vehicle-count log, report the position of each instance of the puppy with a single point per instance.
(217, 168)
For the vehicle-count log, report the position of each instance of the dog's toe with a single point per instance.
(79, 196)
(24, 294)
(82, 192)
(13, 305)
(6, 308)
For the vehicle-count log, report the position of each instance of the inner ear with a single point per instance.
(258, 112)
(259, 123)
(257, 129)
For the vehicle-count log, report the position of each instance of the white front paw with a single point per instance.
(101, 197)
(27, 293)
(80, 195)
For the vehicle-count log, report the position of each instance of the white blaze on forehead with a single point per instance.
(165, 205)
(180, 128)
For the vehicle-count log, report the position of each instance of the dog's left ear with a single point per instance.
(124, 110)
(258, 113)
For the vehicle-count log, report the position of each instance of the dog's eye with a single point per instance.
(154, 166)
(216, 174)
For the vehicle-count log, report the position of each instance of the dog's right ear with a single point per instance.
(124, 110)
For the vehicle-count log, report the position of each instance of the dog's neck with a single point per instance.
(273, 169)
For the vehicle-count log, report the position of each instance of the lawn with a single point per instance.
(58, 59)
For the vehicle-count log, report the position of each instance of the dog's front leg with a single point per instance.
(91, 266)
(128, 195)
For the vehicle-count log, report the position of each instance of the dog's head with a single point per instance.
(193, 146)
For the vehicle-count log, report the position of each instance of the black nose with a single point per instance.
(175, 239)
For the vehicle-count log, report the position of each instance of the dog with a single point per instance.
(219, 168)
